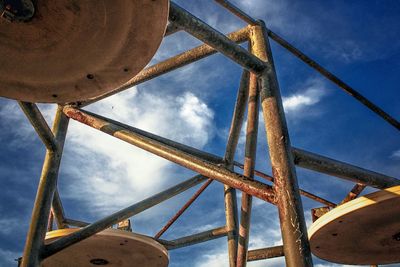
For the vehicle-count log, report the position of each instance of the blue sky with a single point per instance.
(357, 40)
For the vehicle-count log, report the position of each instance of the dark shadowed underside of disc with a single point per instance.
(76, 50)
(363, 231)
(109, 248)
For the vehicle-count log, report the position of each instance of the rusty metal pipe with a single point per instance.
(237, 118)
(215, 39)
(47, 186)
(171, 64)
(35, 117)
(118, 216)
(133, 136)
(354, 193)
(230, 200)
(249, 165)
(184, 207)
(237, 11)
(291, 214)
(302, 192)
(194, 239)
(265, 253)
(343, 170)
(327, 74)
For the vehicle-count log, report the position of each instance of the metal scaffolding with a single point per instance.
(259, 88)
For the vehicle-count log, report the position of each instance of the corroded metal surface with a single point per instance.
(248, 170)
(172, 63)
(343, 170)
(287, 195)
(195, 239)
(284, 193)
(344, 86)
(184, 207)
(44, 196)
(121, 215)
(265, 253)
(130, 135)
(231, 213)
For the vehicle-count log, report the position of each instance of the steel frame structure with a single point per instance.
(258, 88)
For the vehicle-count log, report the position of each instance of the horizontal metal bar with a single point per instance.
(265, 253)
(194, 239)
(343, 170)
(302, 192)
(172, 63)
(133, 136)
(118, 216)
(75, 223)
(215, 39)
(39, 124)
(184, 207)
(237, 11)
(347, 88)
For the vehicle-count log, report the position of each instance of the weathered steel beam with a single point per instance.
(47, 186)
(291, 215)
(172, 63)
(249, 165)
(343, 170)
(215, 39)
(327, 74)
(194, 239)
(237, 11)
(133, 136)
(118, 216)
(184, 207)
(230, 200)
(35, 117)
(265, 253)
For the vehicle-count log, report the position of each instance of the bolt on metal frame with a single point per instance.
(259, 88)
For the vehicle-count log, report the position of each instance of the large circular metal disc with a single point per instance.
(111, 248)
(75, 50)
(363, 231)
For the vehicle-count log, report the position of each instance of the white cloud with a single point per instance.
(106, 174)
(396, 154)
(313, 92)
(109, 174)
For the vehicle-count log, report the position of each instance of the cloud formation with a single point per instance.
(108, 173)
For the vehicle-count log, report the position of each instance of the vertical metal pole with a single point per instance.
(293, 227)
(44, 195)
(230, 193)
(249, 164)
